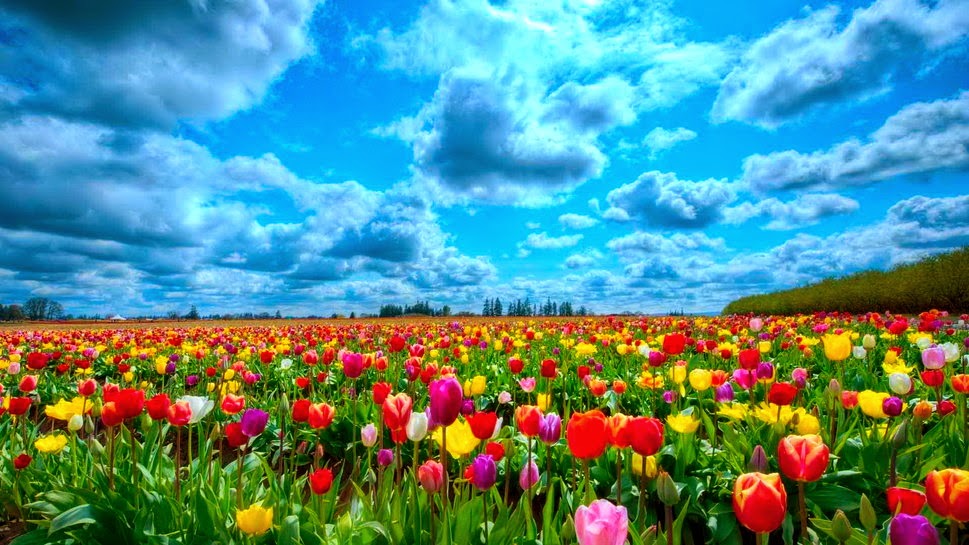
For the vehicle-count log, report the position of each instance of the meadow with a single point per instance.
(816, 428)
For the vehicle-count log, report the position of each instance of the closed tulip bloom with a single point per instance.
(760, 501)
(385, 457)
(179, 413)
(905, 500)
(527, 419)
(859, 352)
(301, 410)
(87, 387)
(254, 521)
(446, 398)
(485, 472)
(947, 492)
(586, 434)
(320, 415)
(960, 383)
(803, 457)
(868, 341)
(765, 371)
(900, 383)
(254, 422)
(912, 530)
(749, 358)
(529, 475)
(923, 410)
(893, 406)
(431, 476)
(368, 435)
(483, 424)
(352, 364)
(744, 378)
(724, 393)
(756, 324)
(201, 406)
(321, 481)
(550, 428)
(933, 357)
(397, 410)
(601, 523)
(28, 383)
(417, 427)
(837, 347)
(945, 407)
(234, 435)
(618, 430)
(646, 435)
(700, 379)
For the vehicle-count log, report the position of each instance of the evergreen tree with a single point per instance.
(496, 307)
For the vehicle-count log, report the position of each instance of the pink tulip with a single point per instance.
(601, 523)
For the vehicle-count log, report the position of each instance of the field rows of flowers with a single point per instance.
(815, 428)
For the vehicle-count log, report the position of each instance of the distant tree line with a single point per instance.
(421, 307)
(939, 282)
(494, 307)
(35, 308)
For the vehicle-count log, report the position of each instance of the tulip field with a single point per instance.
(823, 428)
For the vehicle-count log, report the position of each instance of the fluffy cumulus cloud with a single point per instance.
(583, 259)
(114, 62)
(828, 57)
(803, 211)
(924, 137)
(526, 90)
(659, 139)
(661, 199)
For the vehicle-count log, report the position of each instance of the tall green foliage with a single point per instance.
(940, 281)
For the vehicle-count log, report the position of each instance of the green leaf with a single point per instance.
(82, 514)
(289, 532)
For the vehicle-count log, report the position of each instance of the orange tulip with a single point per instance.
(960, 383)
(586, 434)
(947, 492)
(760, 501)
(527, 418)
(803, 457)
(618, 430)
(397, 410)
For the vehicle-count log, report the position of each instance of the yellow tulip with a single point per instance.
(871, 403)
(476, 386)
(460, 439)
(64, 409)
(542, 401)
(837, 347)
(736, 411)
(764, 346)
(651, 468)
(51, 444)
(700, 379)
(807, 424)
(254, 521)
(678, 374)
(682, 423)
(585, 349)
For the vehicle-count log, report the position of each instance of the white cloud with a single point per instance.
(659, 139)
(921, 138)
(661, 199)
(807, 62)
(577, 221)
(583, 260)
(803, 211)
(544, 242)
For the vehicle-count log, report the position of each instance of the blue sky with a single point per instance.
(320, 157)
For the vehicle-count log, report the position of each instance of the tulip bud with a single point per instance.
(859, 352)
(840, 527)
(868, 341)
(216, 432)
(833, 389)
(898, 440)
(666, 489)
(758, 460)
(368, 435)
(284, 404)
(75, 423)
(867, 515)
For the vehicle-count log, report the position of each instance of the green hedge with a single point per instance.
(940, 282)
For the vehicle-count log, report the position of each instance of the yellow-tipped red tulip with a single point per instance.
(760, 501)
(803, 458)
(947, 492)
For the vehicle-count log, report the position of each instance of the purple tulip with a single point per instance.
(550, 428)
(724, 393)
(385, 457)
(447, 396)
(556, 351)
(254, 422)
(191, 380)
(669, 396)
(892, 406)
(467, 407)
(528, 476)
(912, 530)
(485, 472)
(765, 371)
(169, 368)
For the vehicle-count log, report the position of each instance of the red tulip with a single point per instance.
(646, 434)
(320, 415)
(496, 450)
(933, 378)
(28, 383)
(947, 492)
(905, 500)
(960, 383)
(321, 481)
(179, 413)
(111, 415)
(232, 404)
(380, 392)
(397, 410)
(22, 461)
(515, 365)
(618, 430)
(87, 387)
(586, 434)
(158, 406)
(760, 501)
(803, 457)
(234, 435)
(18, 405)
(527, 419)
(548, 368)
(301, 410)
(781, 393)
(674, 343)
(483, 424)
